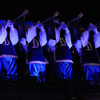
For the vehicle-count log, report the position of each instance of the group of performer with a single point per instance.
(27, 49)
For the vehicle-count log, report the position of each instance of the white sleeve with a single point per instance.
(78, 46)
(3, 35)
(23, 42)
(31, 33)
(53, 42)
(84, 38)
(96, 40)
(68, 39)
(13, 36)
(42, 37)
(57, 31)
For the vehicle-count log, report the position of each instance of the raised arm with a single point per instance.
(31, 33)
(42, 35)
(13, 33)
(3, 32)
(67, 34)
(96, 37)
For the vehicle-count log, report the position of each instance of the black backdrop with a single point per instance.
(40, 10)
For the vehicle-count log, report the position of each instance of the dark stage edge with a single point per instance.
(56, 90)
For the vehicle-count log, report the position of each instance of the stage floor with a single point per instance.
(56, 90)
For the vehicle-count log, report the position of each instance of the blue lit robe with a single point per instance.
(8, 64)
(36, 60)
(63, 55)
(90, 58)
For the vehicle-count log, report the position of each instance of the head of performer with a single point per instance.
(28, 24)
(82, 28)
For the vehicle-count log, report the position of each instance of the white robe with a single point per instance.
(13, 35)
(32, 33)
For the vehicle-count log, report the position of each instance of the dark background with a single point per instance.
(41, 10)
